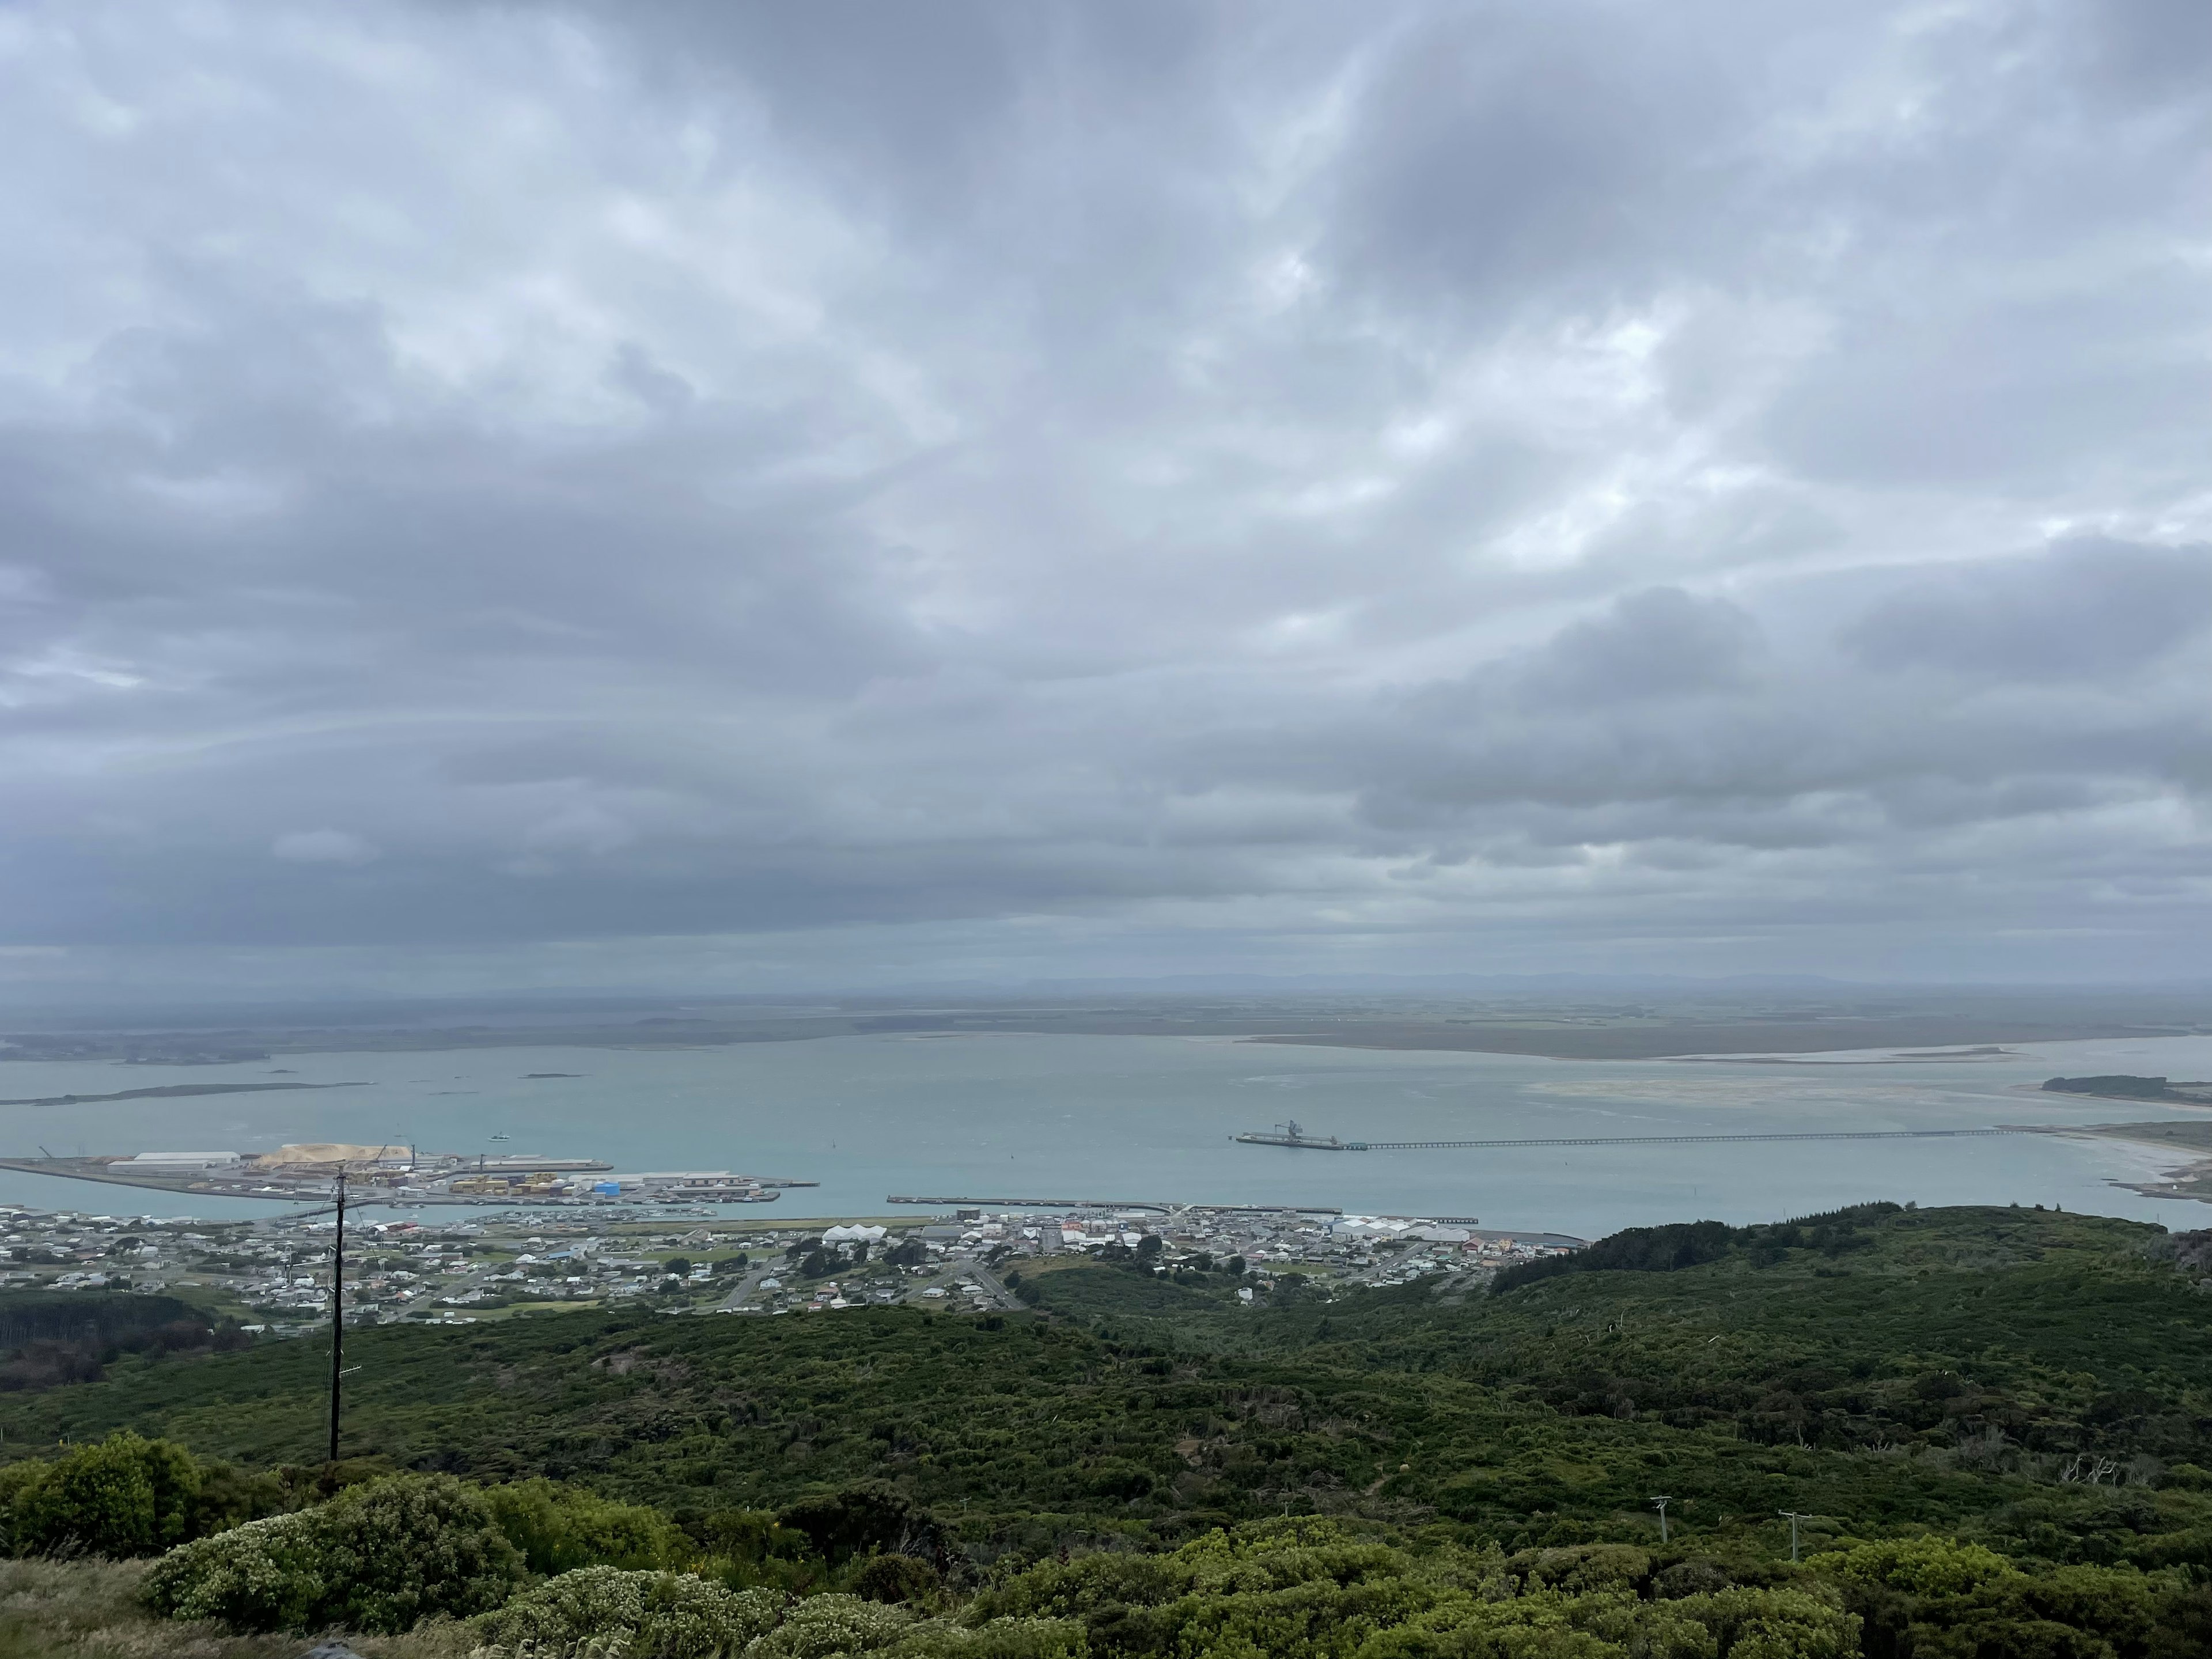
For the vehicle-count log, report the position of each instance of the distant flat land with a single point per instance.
(2191, 1176)
(1675, 1026)
(2122, 1087)
(175, 1091)
(1630, 1040)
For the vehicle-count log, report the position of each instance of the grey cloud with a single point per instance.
(1231, 477)
(322, 847)
(2092, 608)
(1498, 160)
(1660, 642)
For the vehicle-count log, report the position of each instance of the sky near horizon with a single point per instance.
(497, 495)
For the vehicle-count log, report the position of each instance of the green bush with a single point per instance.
(1307, 1590)
(649, 1615)
(823, 1626)
(678, 1615)
(901, 1578)
(866, 1516)
(1001, 1638)
(1926, 1565)
(229, 1497)
(558, 1527)
(264, 1574)
(122, 1497)
(15, 1480)
(376, 1557)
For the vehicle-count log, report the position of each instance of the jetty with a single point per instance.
(1289, 1135)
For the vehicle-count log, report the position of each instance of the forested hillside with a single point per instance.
(2036, 1383)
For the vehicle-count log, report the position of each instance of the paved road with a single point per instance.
(748, 1286)
(994, 1291)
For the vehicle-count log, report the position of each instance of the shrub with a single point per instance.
(403, 1548)
(376, 1557)
(649, 1615)
(14, 1479)
(1775, 1624)
(1927, 1565)
(123, 1497)
(265, 1575)
(229, 1497)
(869, 1514)
(1001, 1638)
(1583, 1567)
(558, 1527)
(897, 1579)
(823, 1625)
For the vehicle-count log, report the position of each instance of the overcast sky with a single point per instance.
(748, 496)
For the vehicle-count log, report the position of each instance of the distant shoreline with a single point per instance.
(176, 1092)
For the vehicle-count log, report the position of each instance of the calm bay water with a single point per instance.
(1144, 1118)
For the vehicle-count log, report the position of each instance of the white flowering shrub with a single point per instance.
(639, 1615)
(377, 1558)
(823, 1626)
(263, 1575)
(998, 1638)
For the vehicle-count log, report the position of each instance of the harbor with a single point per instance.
(398, 1175)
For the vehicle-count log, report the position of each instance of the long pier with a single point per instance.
(1676, 1140)
(1038, 1203)
(1126, 1203)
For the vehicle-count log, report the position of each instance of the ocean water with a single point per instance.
(1151, 1119)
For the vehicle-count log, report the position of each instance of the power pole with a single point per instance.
(337, 1315)
(1659, 1504)
(1794, 1518)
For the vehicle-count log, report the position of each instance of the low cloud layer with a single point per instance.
(693, 494)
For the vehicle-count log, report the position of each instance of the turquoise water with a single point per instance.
(1150, 1118)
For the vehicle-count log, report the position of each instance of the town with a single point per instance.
(272, 1276)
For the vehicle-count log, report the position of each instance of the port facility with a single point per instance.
(398, 1175)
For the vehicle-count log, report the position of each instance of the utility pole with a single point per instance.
(1659, 1504)
(338, 1314)
(1795, 1517)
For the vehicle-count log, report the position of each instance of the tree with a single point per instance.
(124, 1496)
(868, 1515)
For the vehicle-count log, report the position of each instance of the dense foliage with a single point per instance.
(658, 1615)
(49, 1338)
(378, 1557)
(122, 1497)
(2033, 1390)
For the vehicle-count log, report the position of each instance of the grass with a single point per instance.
(90, 1610)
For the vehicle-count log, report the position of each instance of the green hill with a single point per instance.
(2040, 1382)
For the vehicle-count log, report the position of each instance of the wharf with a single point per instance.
(1038, 1203)
(1289, 1135)
(1308, 1143)
(392, 1175)
(1120, 1204)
